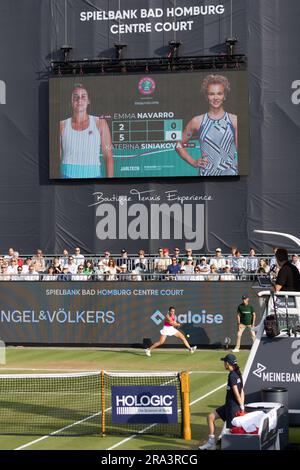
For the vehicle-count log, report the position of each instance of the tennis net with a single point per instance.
(132, 386)
(85, 403)
(60, 404)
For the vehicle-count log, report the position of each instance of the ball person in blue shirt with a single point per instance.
(234, 401)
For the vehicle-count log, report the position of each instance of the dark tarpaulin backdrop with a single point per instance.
(36, 212)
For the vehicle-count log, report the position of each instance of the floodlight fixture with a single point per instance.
(231, 43)
(174, 47)
(119, 50)
(66, 50)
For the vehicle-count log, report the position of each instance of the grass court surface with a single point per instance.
(208, 379)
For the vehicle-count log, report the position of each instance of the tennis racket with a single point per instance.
(186, 329)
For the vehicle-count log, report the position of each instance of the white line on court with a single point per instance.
(152, 425)
(208, 372)
(59, 430)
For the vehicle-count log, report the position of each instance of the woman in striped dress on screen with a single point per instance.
(216, 131)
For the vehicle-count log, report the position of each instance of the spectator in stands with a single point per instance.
(51, 275)
(105, 260)
(10, 254)
(251, 261)
(26, 265)
(288, 277)
(64, 259)
(233, 249)
(17, 256)
(99, 272)
(177, 253)
(188, 255)
(213, 275)
(65, 276)
(238, 263)
(198, 275)
(218, 260)
(235, 399)
(161, 264)
(32, 274)
(56, 265)
(246, 317)
(135, 276)
(189, 265)
(273, 262)
(263, 267)
(5, 276)
(78, 257)
(227, 275)
(166, 254)
(173, 269)
(124, 260)
(141, 263)
(296, 262)
(81, 274)
(13, 266)
(19, 276)
(203, 265)
(39, 260)
(111, 271)
(88, 268)
(72, 266)
(124, 275)
(182, 275)
(82, 138)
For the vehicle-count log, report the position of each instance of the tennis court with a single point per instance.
(207, 391)
(207, 377)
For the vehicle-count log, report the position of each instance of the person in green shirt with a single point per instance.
(245, 319)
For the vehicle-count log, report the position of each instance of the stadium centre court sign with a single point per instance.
(140, 404)
(149, 20)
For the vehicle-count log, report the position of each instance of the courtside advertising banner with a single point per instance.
(144, 404)
(276, 364)
(124, 313)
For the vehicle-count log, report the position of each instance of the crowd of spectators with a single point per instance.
(165, 265)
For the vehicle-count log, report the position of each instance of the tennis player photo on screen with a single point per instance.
(216, 131)
(83, 138)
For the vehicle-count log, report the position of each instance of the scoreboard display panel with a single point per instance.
(149, 125)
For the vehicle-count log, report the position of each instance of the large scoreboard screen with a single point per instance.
(152, 125)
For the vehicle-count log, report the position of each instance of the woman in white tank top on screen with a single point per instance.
(82, 138)
(216, 131)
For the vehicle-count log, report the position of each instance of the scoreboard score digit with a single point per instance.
(142, 131)
(173, 130)
(120, 131)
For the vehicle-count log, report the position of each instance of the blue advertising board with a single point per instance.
(144, 404)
